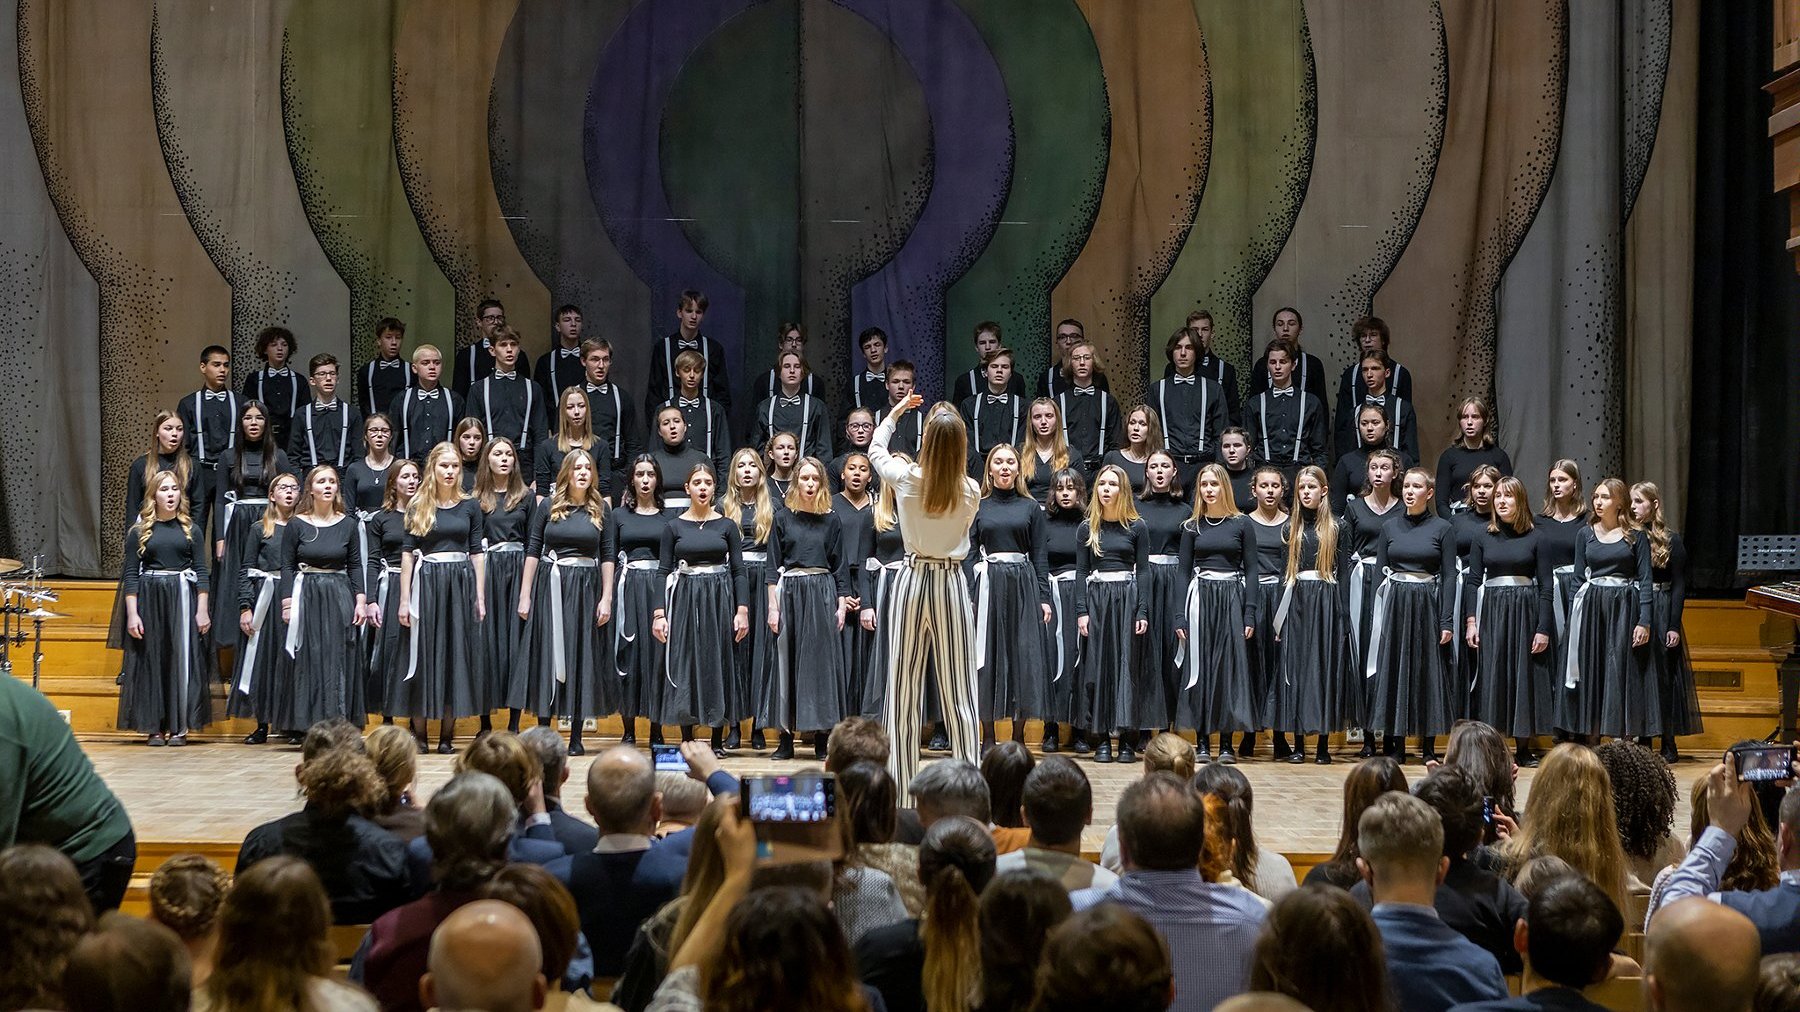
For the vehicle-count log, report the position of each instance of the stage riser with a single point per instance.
(1735, 650)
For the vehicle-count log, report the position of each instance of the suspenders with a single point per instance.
(1062, 404)
(672, 348)
(487, 406)
(312, 451)
(1262, 408)
(618, 439)
(805, 418)
(406, 402)
(1162, 405)
(981, 396)
(200, 422)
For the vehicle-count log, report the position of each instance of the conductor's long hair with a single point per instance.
(562, 503)
(147, 511)
(943, 460)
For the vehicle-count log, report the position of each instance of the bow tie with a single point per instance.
(997, 398)
(323, 406)
(1375, 399)
(507, 375)
(683, 402)
(216, 395)
(604, 388)
(283, 371)
(429, 395)
(790, 401)
(1189, 380)
(1282, 392)
(392, 364)
(875, 377)
(1086, 391)
(568, 352)
(688, 344)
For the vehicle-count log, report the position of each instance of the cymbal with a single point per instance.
(10, 566)
(40, 615)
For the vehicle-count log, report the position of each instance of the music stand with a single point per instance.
(1778, 553)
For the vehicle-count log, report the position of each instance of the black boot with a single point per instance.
(1523, 756)
(575, 746)
(629, 737)
(1323, 756)
(1226, 755)
(512, 720)
(1103, 752)
(1428, 748)
(487, 725)
(1368, 744)
(687, 732)
(987, 737)
(1247, 744)
(1202, 747)
(821, 740)
(757, 741)
(259, 736)
(1128, 746)
(1051, 745)
(784, 749)
(1278, 749)
(1298, 754)
(656, 737)
(718, 742)
(733, 739)
(1670, 753)
(1078, 741)
(940, 739)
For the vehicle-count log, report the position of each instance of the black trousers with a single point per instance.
(105, 878)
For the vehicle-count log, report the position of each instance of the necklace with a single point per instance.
(1213, 521)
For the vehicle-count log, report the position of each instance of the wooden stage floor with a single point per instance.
(209, 795)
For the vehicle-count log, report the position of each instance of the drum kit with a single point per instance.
(22, 599)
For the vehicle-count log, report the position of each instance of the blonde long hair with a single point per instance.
(304, 505)
(820, 501)
(763, 508)
(277, 514)
(562, 503)
(886, 513)
(1324, 525)
(1227, 504)
(421, 513)
(1573, 470)
(1059, 444)
(184, 464)
(570, 435)
(487, 485)
(147, 512)
(1124, 509)
(1521, 505)
(1615, 487)
(943, 460)
(1569, 813)
(1657, 528)
(390, 499)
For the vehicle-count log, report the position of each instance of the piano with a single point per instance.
(1780, 598)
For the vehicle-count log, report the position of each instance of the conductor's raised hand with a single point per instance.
(912, 402)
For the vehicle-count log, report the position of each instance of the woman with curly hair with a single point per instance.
(1644, 803)
(186, 894)
(1754, 865)
(1320, 947)
(1569, 813)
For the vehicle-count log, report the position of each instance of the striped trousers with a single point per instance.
(932, 628)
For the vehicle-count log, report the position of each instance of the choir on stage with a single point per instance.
(538, 546)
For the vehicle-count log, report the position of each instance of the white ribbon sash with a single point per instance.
(1061, 576)
(1193, 619)
(984, 598)
(412, 607)
(1572, 670)
(1287, 596)
(188, 579)
(559, 663)
(1357, 578)
(626, 565)
(1378, 624)
(259, 613)
(671, 584)
(293, 629)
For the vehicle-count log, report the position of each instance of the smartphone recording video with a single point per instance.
(1759, 764)
(668, 759)
(795, 817)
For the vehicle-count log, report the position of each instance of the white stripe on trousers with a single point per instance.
(933, 624)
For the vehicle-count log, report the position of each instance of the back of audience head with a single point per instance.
(128, 965)
(341, 782)
(186, 894)
(262, 968)
(1700, 956)
(502, 755)
(1569, 932)
(43, 913)
(1368, 780)
(1260, 1001)
(1218, 850)
(950, 787)
(1229, 784)
(1539, 872)
(1778, 985)
(1755, 864)
(468, 825)
(1105, 957)
(956, 862)
(1320, 946)
(621, 792)
(1569, 813)
(1058, 802)
(552, 756)
(1643, 795)
(1401, 840)
(1162, 824)
(866, 797)
(783, 949)
(853, 740)
(683, 799)
(1018, 910)
(548, 905)
(329, 735)
(1477, 747)
(484, 956)
(1170, 752)
(393, 751)
(1455, 795)
(705, 870)
(1005, 768)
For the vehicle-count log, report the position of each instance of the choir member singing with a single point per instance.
(676, 456)
(1143, 436)
(242, 495)
(1049, 695)
(1012, 593)
(1668, 648)
(1474, 447)
(703, 614)
(1307, 372)
(638, 527)
(388, 690)
(868, 388)
(791, 337)
(748, 503)
(327, 430)
(791, 409)
(387, 374)
(1193, 406)
(475, 360)
(1411, 626)
(560, 368)
(996, 414)
(1507, 629)
(610, 417)
(1269, 522)
(690, 312)
(209, 420)
(1316, 689)
(425, 413)
(1287, 423)
(278, 385)
(855, 509)
(1055, 379)
(256, 673)
(706, 421)
(166, 685)
(1112, 575)
(1164, 513)
(506, 400)
(1364, 516)
(807, 591)
(1045, 452)
(1609, 679)
(506, 524)
(323, 599)
(443, 584)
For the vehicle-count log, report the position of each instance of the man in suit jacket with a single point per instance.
(576, 835)
(1430, 966)
(629, 874)
(1566, 937)
(1775, 912)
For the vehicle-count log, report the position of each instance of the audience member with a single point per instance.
(44, 912)
(1321, 947)
(1260, 1001)
(128, 965)
(1566, 940)
(1477, 747)
(1104, 957)
(854, 740)
(1700, 957)
(362, 865)
(946, 788)
(1539, 874)
(629, 873)
(1569, 813)
(469, 825)
(1165, 751)
(1264, 872)
(647, 961)
(1754, 863)
(1477, 903)
(568, 964)
(1778, 985)
(1018, 911)
(484, 956)
(394, 752)
(275, 946)
(935, 961)
(1210, 928)
(1367, 781)
(1776, 911)
(1059, 804)
(866, 810)
(683, 799)
(575, 834)
(1219, 849)
(1005, 767)
(537, 843)
(186, 894)
(1430, 966)
(1644, 807)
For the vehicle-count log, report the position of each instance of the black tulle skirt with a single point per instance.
(1414, 691)
(503, 631)
(1218, 692)
(701, 655)
(875, 670)
(393, 648)
(1674, 671)
(1112, 657)
(1011, 645)
(1512, 690)
(1048, 694)
(754, 655)
(564, 668)
(384, 589)
(260, 669)
(1359, 604)
(808, 690)
(168, 673)
(1616, 691)
(325, 673)
(637, 652)
(444, 649)
(1264, 652)
(241, 543)
(1159, 684)
(1317, 689)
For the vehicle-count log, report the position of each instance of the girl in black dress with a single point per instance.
(807, 592)
(1164, 513)
(388, 687)
(704, 614)
(1111, 588)
(1668, 648)
(365, 480)
(571, 429)
(1011, 592)
(1372, 429)
(1609, 680)
(241, 494)
(675, 456)
(565, 667)
(1218, 619)
(1474, 447)
(780, 456)
(747, 501)
(1316, 690)
(443, 584)
(1467, 524)
(261, 632)
(1364, 516)
(855, 509)
(1143, 436)
(506, 522)
(168, 452)
(1563, 518)
(1269, 522)
(1409, 640)
(639, 522)
(1049, 694)
(1507, 625)
(469, 439)
(1046, 451)
(166, 689)
(323, 596)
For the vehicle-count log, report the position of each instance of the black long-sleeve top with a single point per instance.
(1454, 467)
(267, 558)
(364, 487)
(676, 463)
(1309, 545)
(1038, 482)
(858, 523)
(707, 428)
(714, 542)
(1090, 423)
(639, 535)
(455, 528)
(747, 527)
(211, 421)
(244, 474)
(1065, 532)
(1674, 574)
(618, 438)
(1467, 526)
(329, 546)
(1510, 554)
(1627, 557)
(547, 459)
(1351, 389)
(994, 419)
(834, 469)
(285, 391)
(1559, 538)
(422, 419)
(167, 546)
(509, 406)
(574, 536)
(1403, 423)
(325, 434)
(1308, 375)
(1271, 546)
(802, 540)
(1241, 481)
(663, 382)
(475, 362)
(1222, 373)
(885, 547)
(1362, 525)
(1121, 551)
(139, 475)
(1422, 544)
(501, 524)
(1163, 516)
(1226, 545)
(1009, 522)
(1352, 470)
(1194, 411)
(1287, 429)
(556, 370)
(803, 415)
(1135, 470)
(379, 381)
(387, 539)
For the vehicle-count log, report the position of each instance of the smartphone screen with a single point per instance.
(1487, 809)
(802, 798)
(667, 758)
(1763, 763)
